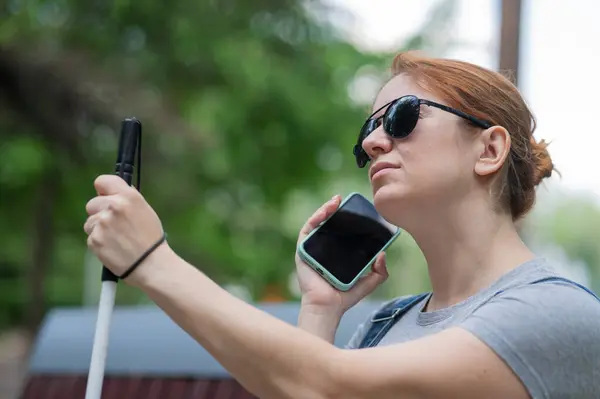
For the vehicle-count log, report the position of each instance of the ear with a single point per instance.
(494, 149)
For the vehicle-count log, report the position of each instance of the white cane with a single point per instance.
(130, 143)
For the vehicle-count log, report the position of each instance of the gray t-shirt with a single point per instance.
(548, 333)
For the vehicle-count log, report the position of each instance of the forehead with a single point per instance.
(398, 86)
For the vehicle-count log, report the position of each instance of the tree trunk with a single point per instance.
(510, 36)
(42, 247)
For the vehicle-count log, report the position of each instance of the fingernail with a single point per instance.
(334, 197)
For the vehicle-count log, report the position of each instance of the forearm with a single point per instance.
(269, 357)
(319, 321)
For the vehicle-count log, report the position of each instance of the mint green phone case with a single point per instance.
(323, 271)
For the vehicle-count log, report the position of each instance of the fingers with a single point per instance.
(97, 204)
(89, 224)
(325, 211)
(100, 208)
(116, 203)
(380, 265)
(95, 229)
(110, 185)
(376, 277)
(93, 221)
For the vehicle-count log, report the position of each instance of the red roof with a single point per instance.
(73, 387)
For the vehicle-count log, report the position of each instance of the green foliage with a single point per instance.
(247, 121)
(248, 124)
(572, 223)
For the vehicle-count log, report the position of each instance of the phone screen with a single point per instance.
(350, 238)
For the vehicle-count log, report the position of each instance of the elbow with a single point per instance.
(323, 378)
(334, 377)
(351, 375)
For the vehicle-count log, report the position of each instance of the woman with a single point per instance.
(454, 163)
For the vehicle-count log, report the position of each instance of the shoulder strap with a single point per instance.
(386, 317)
(389, 314)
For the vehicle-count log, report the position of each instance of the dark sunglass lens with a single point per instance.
(401, 117)
(367, 129)
(361, 156)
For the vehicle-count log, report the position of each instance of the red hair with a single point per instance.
(492, 97)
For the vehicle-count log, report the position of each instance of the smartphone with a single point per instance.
(344, 246)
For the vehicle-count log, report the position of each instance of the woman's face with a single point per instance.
(431, 168)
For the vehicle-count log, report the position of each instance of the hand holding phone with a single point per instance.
(319, 291)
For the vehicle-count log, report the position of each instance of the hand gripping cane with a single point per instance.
(130, 143)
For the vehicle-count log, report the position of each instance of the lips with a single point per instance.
(381, 166)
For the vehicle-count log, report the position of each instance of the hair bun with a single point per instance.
(542, 161)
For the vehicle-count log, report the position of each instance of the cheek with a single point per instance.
(431, 159)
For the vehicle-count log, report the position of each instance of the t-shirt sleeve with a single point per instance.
(548, 334)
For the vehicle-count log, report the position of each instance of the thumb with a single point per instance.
(110, 185)
(376, 277)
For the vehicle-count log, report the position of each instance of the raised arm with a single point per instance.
(271, 358)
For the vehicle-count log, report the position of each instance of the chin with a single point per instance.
(391, 202)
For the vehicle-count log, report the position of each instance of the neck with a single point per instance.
(467, 248)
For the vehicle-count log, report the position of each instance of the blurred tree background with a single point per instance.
(250, 110)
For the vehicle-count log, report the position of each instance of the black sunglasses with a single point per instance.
(400, 119)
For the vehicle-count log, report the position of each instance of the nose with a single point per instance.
(377, 143)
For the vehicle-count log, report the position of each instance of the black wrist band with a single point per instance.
(143, 257)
